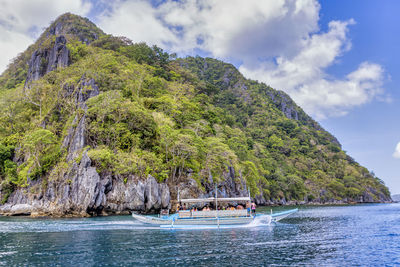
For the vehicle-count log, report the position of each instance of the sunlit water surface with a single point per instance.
(362, 235)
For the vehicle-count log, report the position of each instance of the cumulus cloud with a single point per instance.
(277, 42)
(225, 28)
(22, 21)
(304, 78)
(396, 153)
(138, 20)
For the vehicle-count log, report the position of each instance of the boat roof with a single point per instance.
(212, 199)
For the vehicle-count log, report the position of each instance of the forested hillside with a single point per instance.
(92, 123)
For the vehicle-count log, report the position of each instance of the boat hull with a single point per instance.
(175, 220)
(193, 221)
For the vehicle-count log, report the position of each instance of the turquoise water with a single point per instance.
(362, 235)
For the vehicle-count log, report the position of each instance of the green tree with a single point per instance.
(38, 142)
(252, 177)
(218, 157)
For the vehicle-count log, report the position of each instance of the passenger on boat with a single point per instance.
(239, 207)
(253, 208)
(248, 208)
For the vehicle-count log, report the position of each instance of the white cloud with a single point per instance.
(304, 78)
(278, 42)
(251, 29)
(137, 20)
(11, 43)
(396, 153)
(22, 21)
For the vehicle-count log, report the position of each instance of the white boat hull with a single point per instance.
(175, 220)
(193, 221)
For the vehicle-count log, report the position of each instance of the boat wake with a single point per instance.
(261, 220)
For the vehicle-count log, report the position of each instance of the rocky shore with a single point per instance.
(86, 193)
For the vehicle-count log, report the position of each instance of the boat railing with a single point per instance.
(184, 214)
(212, 213)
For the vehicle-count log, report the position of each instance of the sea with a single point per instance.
(355, 235)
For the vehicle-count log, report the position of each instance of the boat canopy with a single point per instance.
(212, 199)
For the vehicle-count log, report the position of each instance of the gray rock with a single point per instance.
(84, 189)
(260, 200)
(231, 186)
(71, 131)
(366, 197)
(50, 193)
(22, 209)
(165, 196)
(126, 196)
(57, 29)
(68, 89)
(76, 138)
(65, 193)
(45, 60)
(152, 194)
(87, 89)
(59, 55)
(6, 208)
(36, 70)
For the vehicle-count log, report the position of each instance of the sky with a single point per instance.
(337, 59)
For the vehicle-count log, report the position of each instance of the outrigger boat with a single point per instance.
(211, 217)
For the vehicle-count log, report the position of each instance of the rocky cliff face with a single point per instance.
(83, 192)
(47, 59)
(57, 55)
(76, 139)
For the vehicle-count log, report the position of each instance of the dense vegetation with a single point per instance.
(171, 118)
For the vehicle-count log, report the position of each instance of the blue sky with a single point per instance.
(337, 59)
(370, 132)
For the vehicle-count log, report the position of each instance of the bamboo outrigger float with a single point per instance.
(210, 217)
